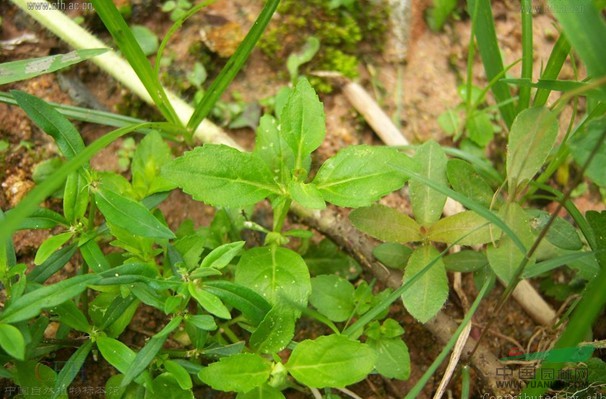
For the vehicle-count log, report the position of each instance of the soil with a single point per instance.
(434, 68)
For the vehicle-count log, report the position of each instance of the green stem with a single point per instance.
(280, 213)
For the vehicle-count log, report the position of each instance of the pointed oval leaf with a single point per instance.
(275, 331)
(360, 175)
(75, 197)
(561, 233)
(271, 147)
(152, 153)
(252, 305)
(584, 142)
(11, 340)
(279, 274)
(331, 361)
(130, 215)
(465, 261)
(393, 360)
(116, 353)
(530, 141)
(479, 128)
(392, 254)
(386, 224)
(237, 373)
(426, 296)
(302, 121)
(264, 391)
(307, 195)
(71, 369)
(427, 203)
(220, 257)
(465, 228)
(50, 245)
(181, 375)
(333, 296)
(211, 303)
(222, 176)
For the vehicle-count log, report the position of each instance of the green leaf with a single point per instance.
(94, 257)
(393, 360)
(479, 128)
(237, 373)
(211, 303)
(71, 316)
(561, 233)
(327, 258)
(584, 142)
(166, 386)
(11, 340)
(71, 369)
(360, 175)
(302, 121)
(333, 296)
(278, 274)
(116, 353)
(465, 261)
(222, 176)
(42, 218)
(146, 39)
(149, 351)
(427, 204)
(181, 375)
(130, 215)
(152, 153)
(50, 245)
(202, 321)
(331, 361)
(271, 147)
(52, 122)
(386, 224)
(428, 293)
(52, 264)
(438, 14)
(252, 305)
(392, 254)
(307, 195)
(275, 331)
(220, 257)
(530, 141)
(30, 304)
(264, 391)
(505, 256)
(295, 60)
(465, 228)
(26, 69)
(449, 121)
(75, 197)
(463, 178)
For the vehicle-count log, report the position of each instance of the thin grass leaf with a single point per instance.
(30, 68)
(49, 186)
(527, 60)
(125, 40)
(491, 55)
(71, 369)
(558, 56)
(233, 66)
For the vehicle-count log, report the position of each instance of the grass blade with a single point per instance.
(233, 66)
(491, 55)
(524, 93)
(560, 51)
(71, 369)
(127, 44)
(30, 68)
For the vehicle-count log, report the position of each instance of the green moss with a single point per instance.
(340, 31)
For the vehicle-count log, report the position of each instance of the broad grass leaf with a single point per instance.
(222, 176)
(360, 175)
(466, 180)
(465, 228)
(583, 143)
(393, 360)
(333, 296)
(505, 256)
(52, 122)
(279, 274)
(151, 154)
(11, 340)
(130, 215)
(302, 121)
(237, 373)
(26, 69)
(427, 203)
(428, 293)
(331, 361)
(530, 141)
(29, 305)
(386, 224)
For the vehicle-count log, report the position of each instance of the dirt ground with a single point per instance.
(434, 67)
